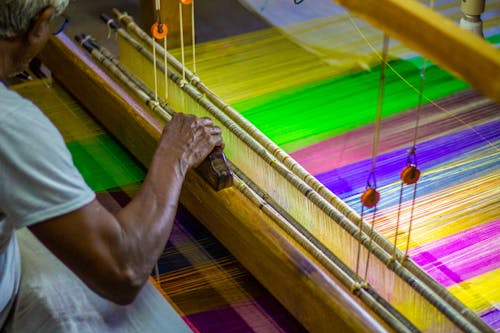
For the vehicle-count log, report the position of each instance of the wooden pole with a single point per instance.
(434, 36)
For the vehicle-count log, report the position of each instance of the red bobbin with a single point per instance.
(410, 174)
(370, 197)
(159, 30)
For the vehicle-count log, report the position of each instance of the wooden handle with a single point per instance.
(215, 170)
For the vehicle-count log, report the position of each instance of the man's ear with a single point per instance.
(40, 25)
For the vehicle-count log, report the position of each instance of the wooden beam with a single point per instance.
(461, 52)
(315, 297)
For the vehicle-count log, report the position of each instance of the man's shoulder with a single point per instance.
(9, 95)
(11, 102)
(19, 116)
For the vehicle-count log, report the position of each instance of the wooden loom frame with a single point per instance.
(241, 230)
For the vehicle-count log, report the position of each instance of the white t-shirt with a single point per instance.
(38, 181)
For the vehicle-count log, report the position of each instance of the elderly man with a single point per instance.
(40, 188)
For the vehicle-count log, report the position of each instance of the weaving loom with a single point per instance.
(474, 150)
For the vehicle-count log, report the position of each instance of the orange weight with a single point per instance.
(370, 197)
(159, 30)
(410, 174)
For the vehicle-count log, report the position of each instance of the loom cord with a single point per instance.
(419, 105)
(182, 43)
(165, 64)
(380, 103)
(157, 9)
(358, 254)
(193, 38)
(155, 68)
(411, 153)
(376, 139)
(155, 76)
(373, 218)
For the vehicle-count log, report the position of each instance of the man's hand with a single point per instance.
(114, 255)
(190, 138)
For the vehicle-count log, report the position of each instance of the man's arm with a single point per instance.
(114, 255)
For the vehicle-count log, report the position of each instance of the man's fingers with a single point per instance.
(215, 130)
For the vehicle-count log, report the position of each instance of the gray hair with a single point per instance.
(16, 15)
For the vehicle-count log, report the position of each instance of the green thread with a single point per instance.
(297, 117)
(105, 164)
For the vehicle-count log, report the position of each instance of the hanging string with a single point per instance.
(154, 29)
(182, 43)
(380, 102)
(159, 31)
(371, 196)
(187, 2)
(193, 36)
(410, 174)
(165, 66)
(376, 139)
(411, 163)
(155, 77)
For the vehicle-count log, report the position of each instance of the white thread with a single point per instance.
(154, 70)
(165, 65)
(108, 24)
(84, 40)
(194, 38)
(182, 45)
